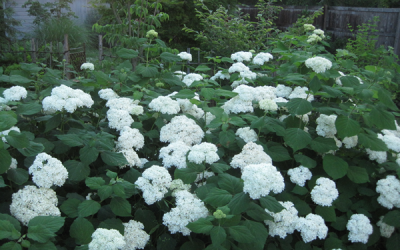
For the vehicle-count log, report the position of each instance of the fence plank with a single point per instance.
(100, 47)
(66, 56)
(33, 49)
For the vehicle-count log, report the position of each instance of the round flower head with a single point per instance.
(203, 152)
(326, 125)
(359, 228)
(107, 94)
(238, 67)
(190, 78)
(268, 105)
(308, 27)
(131, 157)
(174, 154)
(47, 171)
(260, 179)
(87, 66)
(182, 129)
(318, 64)
(151, 34)
(251, 154)
(165, 105)
(261, 58)
(324, 192)
(154, 183)
(130, 138)
(31, 201)
(126, 104)
(283, 91)
(301, 92)
(385, 229)
(180, 74)
(311, 227)
(247, 134)
(189, 108)
(241, 56)
(300, 175)
(185, 56)
(284, 222)
(106, 239)
(118, 119)
(379, 156)
(134, 235)
(221, 76)
(15, 93)
(389, 190)
(350, 142)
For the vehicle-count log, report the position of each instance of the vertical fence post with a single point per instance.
(326, 17)
(66, 56)
(33, 50)
(100, 47)
(51, 53)
(397, 37)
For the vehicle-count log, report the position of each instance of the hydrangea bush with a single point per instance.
(269, 152)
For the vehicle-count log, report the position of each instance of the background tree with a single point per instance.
(7, 21)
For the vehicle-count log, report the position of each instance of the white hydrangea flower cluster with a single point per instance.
(14, 164)
(238, 67)
(324, 192)
(134, 235)
(177, 185)
(251, 154)
(174, 154)
(202, 177)
(154, 183)
(389, 190)
(107, 94)
(185, 56)
(309, 27)
(261, 58)
(165, 105)
(318, 35)
(244, 74)
(14, 93)
(190, 78)
(182, 129)
(326, 125)
(64, 97)
(350, 142)
(6, 132)
(47, 171)
(31, 201)
(87, 66)
(312, 227)
(247, 134)
(318, 64)
(261, 179)
(203, 152)
(221, 76)
(188, 208)
(385, 229)
(189, 108)
(130, 138)
(283, 91)
(180, 74)
(120, 110)
(241, 56)
(299, 175)
(268, 105)
(284, 222)
(391, 138)
(379, 156)
(300, 92)
(106, 239)
(131, 157)
(359, 228)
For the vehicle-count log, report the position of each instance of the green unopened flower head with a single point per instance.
(252, 51)
(160, 84)
(151, 34)
(219, 214)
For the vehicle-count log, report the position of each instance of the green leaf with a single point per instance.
(41, 246)
(241, 234)
(8, 231)
(218, 197)
(77, 171)
(81, 230)
(219, 168)
(260, 233)
(382, 119)
(332, 243)
(298, 106)
(113, 224)
(32, 150)
(207, 93)
(218, 235)
(258, 213)
(94, 182)
(166, 242)
(271, 204)
(19, 80)
(349, 81)
(5, 160)
(392, 218)
(225, 93)
(230, 183)
(12, 220)
(184, 94)
(121, 207)
(239, 203)
(147, 71)
(327, 213)
(127, 53)
(11, 246)
(187, 175)
(202, 68)
(226, 138)
(323, 145)
(280, 48)
(237, 121)
(70, 207)
(88, 207)
(357, 175)
(152, 134)
(17, 140)
(201, 226)
(386, 98)
(146, 217)
(2, 184)
(372, 142)
(53, 123)
(278, 153)
(169, 57)
(297, 138)
(113, 158)
(7, 120)
(105, 192)
(29, 109)
(72, 140)
(43, 228)
(299, 190)
(346, 127)
(119, 190)
(18, 175)
(315, 84)
(335, 166)
(132, 175)
(393, 243)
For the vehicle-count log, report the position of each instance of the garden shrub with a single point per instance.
(286, 148)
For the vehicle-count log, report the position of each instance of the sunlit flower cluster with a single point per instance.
(106, 239)
(360, 228)
(47, 171)
(134, 235)
(251, 154)
(262, 57)
(182, 129)
(174, 154)
(107, 94)
(312, 227)
(87, 66)
(14, 93)
(247, 134)
(185, 56)
(389, 190)
(165, 105)
(121, 109)
(203, 152)
(221, 75)
(190, 78)
(300, 175)
(301, 92)
(326, 125)
(318, 64)
(241, 56)
(324, 192)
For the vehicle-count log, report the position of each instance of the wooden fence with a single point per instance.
(335, 20)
